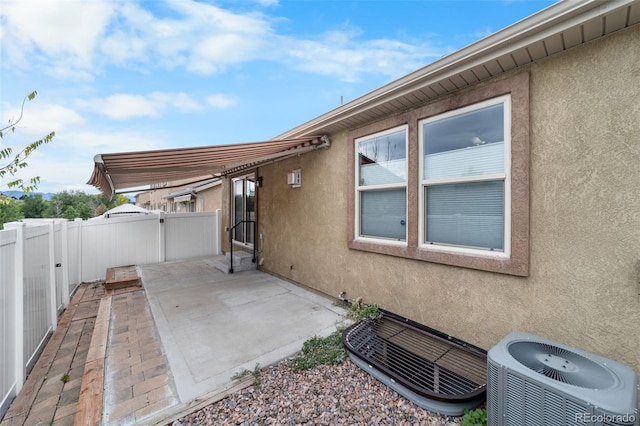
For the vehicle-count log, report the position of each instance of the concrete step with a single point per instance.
(242, 261)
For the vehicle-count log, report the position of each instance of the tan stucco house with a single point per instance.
(183, 196)
(496, 189)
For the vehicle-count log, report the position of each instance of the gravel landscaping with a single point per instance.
(324, 395)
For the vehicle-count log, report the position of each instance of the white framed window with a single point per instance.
(465, 162)
(381, 186)
(467, 180)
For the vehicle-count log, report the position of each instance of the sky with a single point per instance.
(124, 75)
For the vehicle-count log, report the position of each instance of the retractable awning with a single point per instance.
(118, 171)
(183, 198)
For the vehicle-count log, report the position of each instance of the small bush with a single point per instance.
(359, 311)
(477, 417)
(320, 351)
(65, 378)
(329, 350)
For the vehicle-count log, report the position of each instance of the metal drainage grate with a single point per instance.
(426, 362)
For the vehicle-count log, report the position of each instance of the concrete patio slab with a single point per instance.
(213, 325)
(169, 348)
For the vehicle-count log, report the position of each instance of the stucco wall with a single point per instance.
(212, 199)
(156, 197)
(583, 285)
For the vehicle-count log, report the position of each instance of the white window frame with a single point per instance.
(506, 177)
(246, 230)
(359, 189)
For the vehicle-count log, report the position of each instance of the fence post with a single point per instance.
(18, 308)
(162, 252)
(51, 290)
(218, 228)
(79, 245)
(64, 246)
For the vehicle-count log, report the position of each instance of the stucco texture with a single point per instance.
(584, 252)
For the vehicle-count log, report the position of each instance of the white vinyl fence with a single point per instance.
(43, 261)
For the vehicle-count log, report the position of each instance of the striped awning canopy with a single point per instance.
(118, 171)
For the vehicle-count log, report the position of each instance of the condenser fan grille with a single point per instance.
(561, 365)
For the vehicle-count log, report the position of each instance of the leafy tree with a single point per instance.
(85, 205)
(119, 199)
(34, 205)
(16, 162)
(9, 211)
(85, 211)
(70, 213)
(61, 201)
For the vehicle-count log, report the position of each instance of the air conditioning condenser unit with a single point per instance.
(534, 381)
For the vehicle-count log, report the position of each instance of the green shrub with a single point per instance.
(359, 311)
(320, 351)
(329, 350)
(477, 417)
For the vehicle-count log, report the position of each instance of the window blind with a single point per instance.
(466, 214)
(383, 213)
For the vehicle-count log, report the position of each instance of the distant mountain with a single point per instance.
(18, 194)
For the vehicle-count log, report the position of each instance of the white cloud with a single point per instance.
(91, 142)
(65, 30)
(214, 53)
(180, 101)
(221, 101)
(267, 2)
(123, 106)
(38, 120)
(340, 53)
(75, 38)
(57, 172)
(203, 38)
(67, 162)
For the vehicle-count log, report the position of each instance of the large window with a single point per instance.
(447, 182)
(465, 162)
(382, 185)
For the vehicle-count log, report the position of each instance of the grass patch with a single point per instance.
(329, 350)
(320, 351)
(65, 378)
(359, 311)
(256, 373)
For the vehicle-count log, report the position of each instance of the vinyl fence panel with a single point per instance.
(190, 235)
(74, 251)
(7, 315)
(42, 261)
(121, 241)
(37, 324)
(57, 256)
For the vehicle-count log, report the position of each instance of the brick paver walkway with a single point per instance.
(45, 398)
(137, 381)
